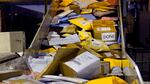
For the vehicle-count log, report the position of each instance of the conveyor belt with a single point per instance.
(43, 30)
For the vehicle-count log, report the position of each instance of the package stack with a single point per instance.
(83, 43)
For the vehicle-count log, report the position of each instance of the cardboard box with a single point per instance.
(63, 54)
(85, 65)
(12, 41)
(104, 30)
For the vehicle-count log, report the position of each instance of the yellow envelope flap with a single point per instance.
(105, 7)
(69, 29)
(82, 23)
(86, 11)
(115, 46)
(100, 9)
(97, 4)
(96, 45)
(84, 35)
(66, 2)
(49, 50)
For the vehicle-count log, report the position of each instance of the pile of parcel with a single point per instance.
(84, 43)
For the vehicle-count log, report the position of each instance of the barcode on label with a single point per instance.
(83, 62)
(108, 36)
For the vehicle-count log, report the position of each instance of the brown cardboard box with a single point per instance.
(63, 54)
(85, 65)
(104, 30)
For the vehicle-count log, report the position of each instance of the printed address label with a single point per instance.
(108, 36)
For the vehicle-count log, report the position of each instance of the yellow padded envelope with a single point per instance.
(84, 35)
(125, 63)
(98, 4)
(66, 2)
(82, 23)
(86, 11)
(113, 62)
(108, 80)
